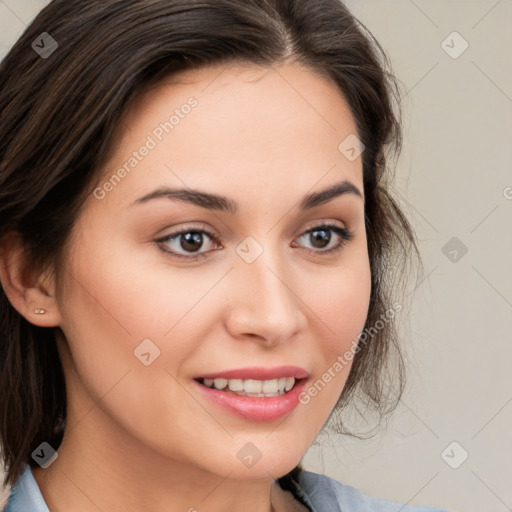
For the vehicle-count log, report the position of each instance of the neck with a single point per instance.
(94, 473)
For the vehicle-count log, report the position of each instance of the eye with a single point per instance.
(187, 239)
(321, 236)
(192, 239)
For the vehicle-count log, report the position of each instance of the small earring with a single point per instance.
(39, 311)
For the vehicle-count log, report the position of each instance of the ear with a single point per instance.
(27, 288)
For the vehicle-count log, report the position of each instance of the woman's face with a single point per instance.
(253, 284)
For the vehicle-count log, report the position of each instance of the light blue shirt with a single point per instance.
(320, 492)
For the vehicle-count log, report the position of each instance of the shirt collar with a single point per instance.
(25, 494)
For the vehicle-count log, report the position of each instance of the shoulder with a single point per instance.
(328, 495)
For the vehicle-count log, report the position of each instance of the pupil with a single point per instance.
(191, 238)
(321, 235)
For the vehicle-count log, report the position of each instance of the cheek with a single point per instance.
(127, 290)
(339, 307)
(340, 300)
(109, 308)
(116, 297)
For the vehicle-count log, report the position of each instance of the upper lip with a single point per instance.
(258, 373)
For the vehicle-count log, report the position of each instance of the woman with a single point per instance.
(197, 239)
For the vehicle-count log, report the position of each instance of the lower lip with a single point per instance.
(255, 408)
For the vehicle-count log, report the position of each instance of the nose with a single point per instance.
(263, 304)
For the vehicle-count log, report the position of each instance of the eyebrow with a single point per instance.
(221, 203)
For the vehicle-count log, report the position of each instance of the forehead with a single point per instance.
(233, 90)
(249, 124)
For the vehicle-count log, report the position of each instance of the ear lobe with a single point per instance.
(28, 289)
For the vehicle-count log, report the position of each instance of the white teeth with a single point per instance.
(220, 383)
(269, 386)
(252, 387)
(236, 384)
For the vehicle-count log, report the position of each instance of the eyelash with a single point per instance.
(345, 235)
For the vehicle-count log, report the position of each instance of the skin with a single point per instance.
(140, 437)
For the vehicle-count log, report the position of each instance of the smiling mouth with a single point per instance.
(251, 387)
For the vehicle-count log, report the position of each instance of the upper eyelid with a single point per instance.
(213, 234)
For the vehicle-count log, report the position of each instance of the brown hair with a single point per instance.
(57, 119)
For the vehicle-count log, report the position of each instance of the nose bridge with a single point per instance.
(264, 303)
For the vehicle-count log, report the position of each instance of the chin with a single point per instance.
(251, 463)
(262, 470)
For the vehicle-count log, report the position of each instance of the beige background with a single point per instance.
(455, 178)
